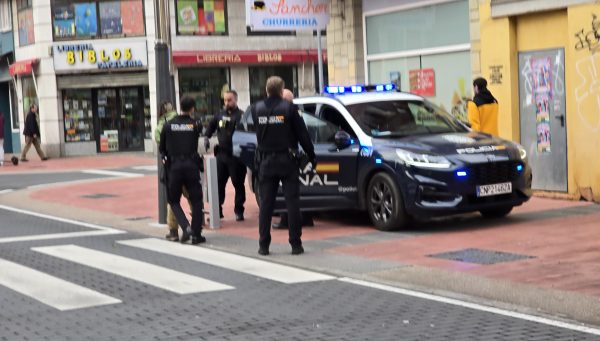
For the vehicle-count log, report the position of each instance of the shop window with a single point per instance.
(29, 95)
(147, 114)
(201, 17)
(206, 86)
(259, 75)
(5, 23)
(75, 19)
(78, 115)
(418, 28)
(25, 22)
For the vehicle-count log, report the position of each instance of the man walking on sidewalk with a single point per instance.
(32, 134)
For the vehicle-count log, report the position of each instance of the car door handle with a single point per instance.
(561, 118)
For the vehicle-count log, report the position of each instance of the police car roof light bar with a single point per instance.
(338, 90)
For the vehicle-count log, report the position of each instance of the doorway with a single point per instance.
(120, 119)
(543, 116)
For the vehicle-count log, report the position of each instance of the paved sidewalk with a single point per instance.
(552, 246)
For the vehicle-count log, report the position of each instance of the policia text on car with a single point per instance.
(179, 148)
(279, 129)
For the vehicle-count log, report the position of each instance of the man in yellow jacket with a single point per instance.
(483, 109)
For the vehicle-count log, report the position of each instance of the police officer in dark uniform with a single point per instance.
(228, 166)
(279, 128)
(179, 148)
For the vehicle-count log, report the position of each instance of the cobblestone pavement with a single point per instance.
(251, 308)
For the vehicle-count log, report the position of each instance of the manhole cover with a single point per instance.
(479, 256)
(99, 196)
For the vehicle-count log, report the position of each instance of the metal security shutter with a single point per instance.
(102, 81)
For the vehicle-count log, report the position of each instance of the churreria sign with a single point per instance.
(82, 56)
(287, 14)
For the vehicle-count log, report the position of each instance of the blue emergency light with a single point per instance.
(356, 89)
(378, 161)
(519, 168)
(462, 173)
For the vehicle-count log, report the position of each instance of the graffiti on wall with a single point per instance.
(459, 102)
(589, 38)
(587, 93)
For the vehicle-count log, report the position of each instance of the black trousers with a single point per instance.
(231, 167)
(186, 173)
(268, 186)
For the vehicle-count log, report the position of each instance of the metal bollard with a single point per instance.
(211, 189)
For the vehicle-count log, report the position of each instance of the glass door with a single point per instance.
(108, 120)
(131, 127)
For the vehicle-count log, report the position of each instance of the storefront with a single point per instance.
(104, 95)
(410, 45)
(207, 75)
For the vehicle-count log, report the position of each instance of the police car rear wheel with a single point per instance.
(498, 212)
(384, 203)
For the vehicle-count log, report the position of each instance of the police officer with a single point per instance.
(179, 147)
(228, 166)
(279, 129)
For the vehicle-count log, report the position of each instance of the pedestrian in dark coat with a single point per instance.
(32, 134)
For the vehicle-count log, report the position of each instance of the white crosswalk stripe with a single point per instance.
(50, 290)
(255, 267)
(150, 274)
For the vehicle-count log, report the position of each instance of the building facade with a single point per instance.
(407, 43)
(541, 58)
(7, 88)
(217, 52)
(90, 67)
(87, 65)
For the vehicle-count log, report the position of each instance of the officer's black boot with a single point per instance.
(198, 239)
(185, 236)
(298, 249)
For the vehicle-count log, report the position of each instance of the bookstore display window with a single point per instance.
(78, 115)
(147, 114)
(201, 17)
(77, 19)
(207, 87)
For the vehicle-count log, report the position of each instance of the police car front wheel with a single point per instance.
(384, 203)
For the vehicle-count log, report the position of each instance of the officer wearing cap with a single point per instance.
(279, 129)
(228, 166)
(179, 148)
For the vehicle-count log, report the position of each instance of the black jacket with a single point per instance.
(279, 127)
(224, 123)
(179, 138)
(31, 125)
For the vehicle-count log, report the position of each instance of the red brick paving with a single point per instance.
(566, 249)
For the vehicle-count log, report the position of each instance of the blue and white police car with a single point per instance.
(398, 156)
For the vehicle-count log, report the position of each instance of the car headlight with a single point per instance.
(423, 160)
(522, 153)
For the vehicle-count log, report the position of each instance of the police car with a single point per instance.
(398, 156)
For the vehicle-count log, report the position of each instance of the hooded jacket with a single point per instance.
(483, 113)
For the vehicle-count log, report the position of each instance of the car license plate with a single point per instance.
(494, 189)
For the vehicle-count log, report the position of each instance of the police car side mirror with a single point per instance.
(343, 139)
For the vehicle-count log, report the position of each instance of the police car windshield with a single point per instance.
(386, 119)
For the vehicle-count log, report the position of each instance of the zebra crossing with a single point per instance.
(66, 296)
